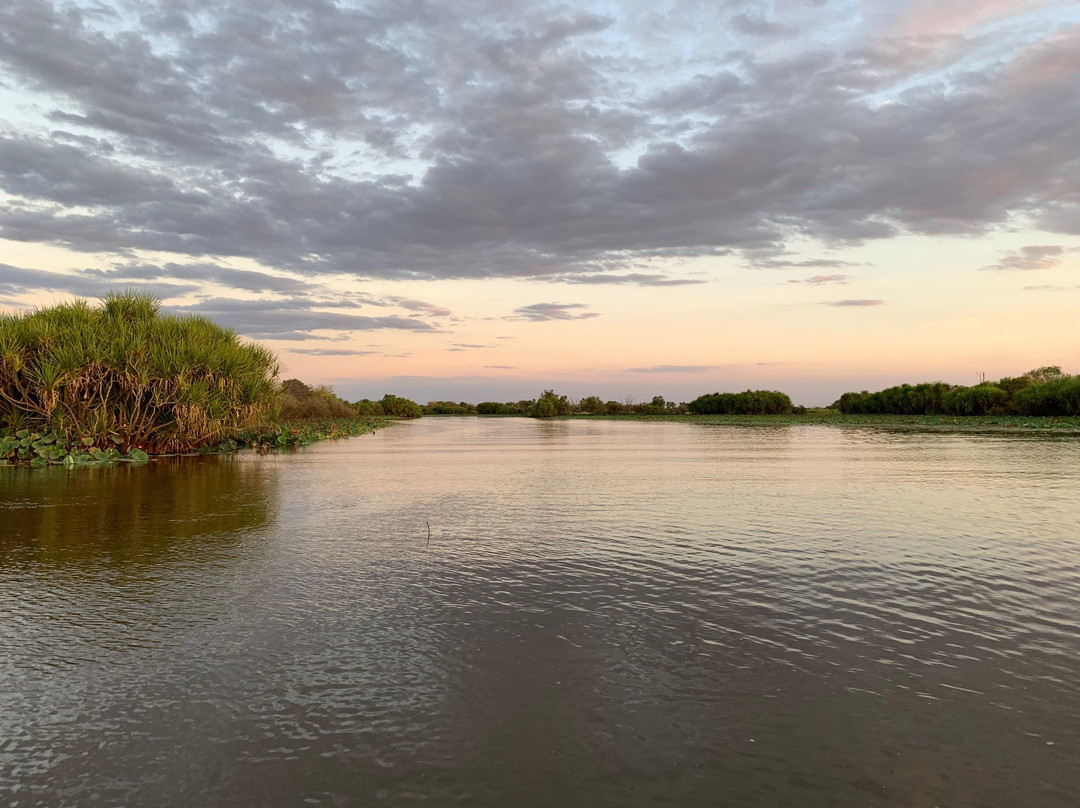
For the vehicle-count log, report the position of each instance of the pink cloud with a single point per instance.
(952, 17)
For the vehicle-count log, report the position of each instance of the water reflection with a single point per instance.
(130, 513)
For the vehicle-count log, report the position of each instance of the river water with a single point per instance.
(505, 612)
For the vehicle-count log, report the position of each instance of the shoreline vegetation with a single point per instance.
(123, 382)
(118, 382)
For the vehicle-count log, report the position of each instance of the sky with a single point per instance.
(482, 199)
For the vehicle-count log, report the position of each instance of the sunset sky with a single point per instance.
(476, 200)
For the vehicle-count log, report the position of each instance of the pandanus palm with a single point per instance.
(125, 373)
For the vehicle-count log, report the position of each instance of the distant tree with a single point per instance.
(550, 405)
(448, 408)
(366, 408)
(1058, 396)
(591, 404)
(400, 407)
(1044, 374)
(299, 400)
(750, 402)
(655, 407)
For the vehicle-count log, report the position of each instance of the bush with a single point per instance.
(366, 408)
(1059, 396)
(982, 399)
(299, 401)
(448, 408)
(550, 405)
(400, 407)
(750, 402)
(122, 374)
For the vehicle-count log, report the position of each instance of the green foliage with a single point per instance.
(299, 400)
(982, 399)
(1044, 391)
(59, 448)
(122, 376)
(750, 402)
(920, 399)
(299, 433)
(591, 404)
(550, 405)
(499, 408)
(1060, 396)
(449, 408)
(397, 407)
(366, 408)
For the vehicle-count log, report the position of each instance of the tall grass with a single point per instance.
(123, 374)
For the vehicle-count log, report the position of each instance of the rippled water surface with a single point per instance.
(504, 612)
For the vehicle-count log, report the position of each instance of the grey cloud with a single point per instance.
(1031, 257)
(636, 278)
(501, 367)
(291, 318)
(858, 302)
(16, 281)
(439, 140)
(757, 25)
(246, 280)
(539, 312)
(420, 306)
(812, 263)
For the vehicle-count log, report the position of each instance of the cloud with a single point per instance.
(811, 263)
(95, 284)
(528, 139)
(818, 280)
(245, 280)
(673, 369)
(331, 352)
(290, 319)
(420, 306)
(539, 312)
(501, 367)
(855, 303)
(637, 278)
(749, 22)
(1046, 256)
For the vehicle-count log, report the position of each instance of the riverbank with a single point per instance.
(55, 448)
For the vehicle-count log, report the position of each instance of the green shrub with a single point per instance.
(300, 401)
(122, 375)
(397, 407)
(1059, 396)
(750, 402)
(550, 405)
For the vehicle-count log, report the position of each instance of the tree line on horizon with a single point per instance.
(1044, 391)
(300, 401)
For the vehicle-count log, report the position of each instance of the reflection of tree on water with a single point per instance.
(182, 509)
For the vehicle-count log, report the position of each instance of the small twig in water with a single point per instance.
(428, 534)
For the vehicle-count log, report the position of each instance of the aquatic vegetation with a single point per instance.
(122, 377)
(52, 448)
(300, 433)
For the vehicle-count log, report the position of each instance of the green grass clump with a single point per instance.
(122, 377)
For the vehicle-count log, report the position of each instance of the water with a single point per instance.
(604, 614)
